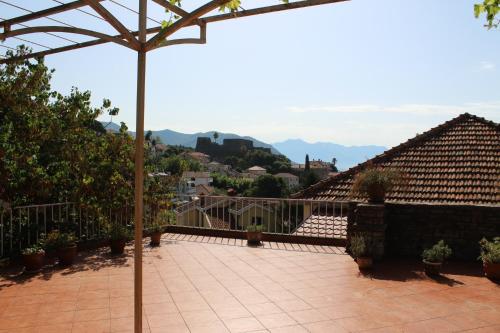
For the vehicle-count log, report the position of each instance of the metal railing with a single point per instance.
(312, 218)
(23, 226)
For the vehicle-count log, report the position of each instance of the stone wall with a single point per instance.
(413, 227)
(368, 221)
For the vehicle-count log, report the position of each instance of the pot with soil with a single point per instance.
(118, 237)
(33, 258)
(254, 235)
(434, 257)
(361, 250)
(490, 256)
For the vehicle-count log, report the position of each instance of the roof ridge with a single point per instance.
(434, 131)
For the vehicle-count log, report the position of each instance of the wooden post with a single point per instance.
(139, 168)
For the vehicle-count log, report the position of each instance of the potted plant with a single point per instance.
(361, 251)
(118, 237)
(374, 183)
(254, 234)
(33, 258)
(156, 231)
(490, 256)
(66, 248)
(434, 257)
(50, 243)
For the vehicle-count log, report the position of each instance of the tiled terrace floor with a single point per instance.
(193, 285)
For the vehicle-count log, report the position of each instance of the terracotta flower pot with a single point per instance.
(492, 270)
(33, 262)
(376, 194)
(155, 238)
(254, 237)
(432, 268)
(117, 246)
(50, 257)
(67, 255)
(364, 262)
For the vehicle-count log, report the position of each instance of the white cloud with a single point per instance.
(483, 109)
(487, 66)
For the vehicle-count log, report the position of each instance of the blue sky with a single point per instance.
(354, 73)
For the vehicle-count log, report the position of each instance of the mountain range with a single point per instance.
(294, 149)
(189, 140)
(347, 156)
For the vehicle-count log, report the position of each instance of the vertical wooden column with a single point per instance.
(139, 168)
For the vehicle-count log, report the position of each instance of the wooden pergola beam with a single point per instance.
(70, 30)
(267, 9)
(185, 21)
(114, 22)
(44, 13)
(174, 9)
(208, 19)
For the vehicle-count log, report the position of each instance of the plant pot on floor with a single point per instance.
(254, 237)
(432, 268)
(155, 238)
(50, 257)
(33, 262)
(364, 262)
(67, 255)
(492, 270)
(117, 246)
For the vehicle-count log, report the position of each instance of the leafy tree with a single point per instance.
(268, 186)
(308, 178)
(491, 8)
(216, 136)
(240, 185)
(53, 148)
(176, 165)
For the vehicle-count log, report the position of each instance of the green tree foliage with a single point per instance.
(491, 8)
(308, 178)
(333, 165)
(268, 186)
(176, 165)
(271, 162)
(52, 147)
(307, 166)
(216, 136)
(240, 185)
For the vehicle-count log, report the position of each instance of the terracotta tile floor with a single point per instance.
(203, 284)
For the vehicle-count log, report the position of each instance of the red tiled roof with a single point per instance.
(323, 226)
(457, 162)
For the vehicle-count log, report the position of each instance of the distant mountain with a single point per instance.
(347, 156)
(189, 140)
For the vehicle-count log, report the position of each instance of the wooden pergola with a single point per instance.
(136, 40)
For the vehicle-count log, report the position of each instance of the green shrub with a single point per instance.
(360, 246)
(255, 228)
(33, 249)
(55, 240)
(119, 232)
(50, 242)
(66, 240)
(438, 253)
(490, 251)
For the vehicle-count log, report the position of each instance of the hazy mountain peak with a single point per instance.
(294, 149)
(347, 156)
